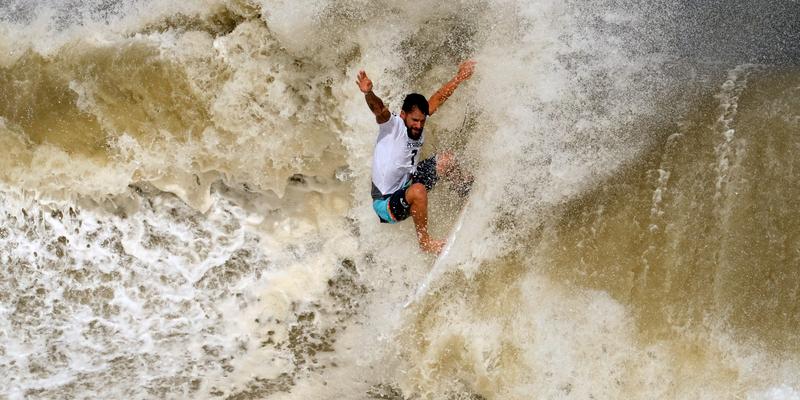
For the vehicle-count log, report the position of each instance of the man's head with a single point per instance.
(414, 112)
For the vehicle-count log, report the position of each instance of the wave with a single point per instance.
(185, 207)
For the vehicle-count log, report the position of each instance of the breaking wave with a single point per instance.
(185, 201)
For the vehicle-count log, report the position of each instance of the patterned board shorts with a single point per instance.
(394, 207)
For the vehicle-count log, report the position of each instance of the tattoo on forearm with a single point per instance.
(374, 102)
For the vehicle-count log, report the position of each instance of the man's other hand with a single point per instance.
(364, 83)
(465, 70)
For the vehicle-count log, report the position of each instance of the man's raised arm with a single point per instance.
(465, 70)
(374, 102)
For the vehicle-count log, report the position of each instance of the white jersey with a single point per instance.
(395, 157)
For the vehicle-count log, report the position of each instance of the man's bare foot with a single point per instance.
(432, 246)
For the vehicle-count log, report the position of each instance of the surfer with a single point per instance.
(400, 182)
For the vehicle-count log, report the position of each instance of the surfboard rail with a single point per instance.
(440, 266)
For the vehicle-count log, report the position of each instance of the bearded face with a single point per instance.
(415, 122)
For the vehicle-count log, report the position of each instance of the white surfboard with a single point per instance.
(440, 266)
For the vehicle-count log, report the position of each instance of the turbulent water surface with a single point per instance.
(185, 210)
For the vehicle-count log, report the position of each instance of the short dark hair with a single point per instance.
(415, 100)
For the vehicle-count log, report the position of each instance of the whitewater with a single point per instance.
(185, 204)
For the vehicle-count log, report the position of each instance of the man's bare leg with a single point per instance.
(449, 169)
(417, 197)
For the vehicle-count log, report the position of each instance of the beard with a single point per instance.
(411, 134)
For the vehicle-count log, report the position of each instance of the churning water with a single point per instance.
(185, 209)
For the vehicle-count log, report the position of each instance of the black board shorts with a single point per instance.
(394, 208)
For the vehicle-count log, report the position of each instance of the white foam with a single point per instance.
(157, 290)
(782, 392)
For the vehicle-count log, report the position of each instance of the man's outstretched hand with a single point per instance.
(364, 83)
(465, 70)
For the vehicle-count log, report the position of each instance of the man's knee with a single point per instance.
(445, 163)
(416, 192)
